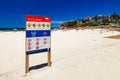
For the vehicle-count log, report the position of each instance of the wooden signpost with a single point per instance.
(38, 37)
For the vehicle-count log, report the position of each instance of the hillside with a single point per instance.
(110, 20)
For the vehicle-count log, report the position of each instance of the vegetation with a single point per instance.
(95, 21)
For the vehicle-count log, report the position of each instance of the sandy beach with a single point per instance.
(76, 55)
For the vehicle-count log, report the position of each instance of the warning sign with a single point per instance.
(37, 34)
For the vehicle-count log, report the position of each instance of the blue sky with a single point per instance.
(13, 12)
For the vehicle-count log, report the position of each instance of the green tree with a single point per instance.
(114, 17)
(105, 22)
(96, 18)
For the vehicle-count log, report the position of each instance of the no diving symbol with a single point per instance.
(44, 33)
(33, 34)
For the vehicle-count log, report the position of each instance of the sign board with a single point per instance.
(37, 34)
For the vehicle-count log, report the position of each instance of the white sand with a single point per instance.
(82, 55)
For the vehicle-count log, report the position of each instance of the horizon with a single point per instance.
(13, 13)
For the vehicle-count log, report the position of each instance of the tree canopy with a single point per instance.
(94, 21)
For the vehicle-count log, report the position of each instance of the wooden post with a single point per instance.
(27, 64)
(49, 58)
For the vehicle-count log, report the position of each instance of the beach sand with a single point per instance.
(76, 55)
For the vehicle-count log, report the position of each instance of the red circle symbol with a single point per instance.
(37, 43)
(44, 42)
(29, 44)
(37, 47)
(29, 48)
(37, 39)
(45, 39)
(29, 40)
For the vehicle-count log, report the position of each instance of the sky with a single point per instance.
(13, 12)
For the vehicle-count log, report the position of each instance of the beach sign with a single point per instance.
(38, 37)
(37, 34)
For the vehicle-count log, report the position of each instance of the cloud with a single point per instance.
(57, 22)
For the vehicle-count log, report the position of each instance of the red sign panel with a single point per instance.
(38, 18)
